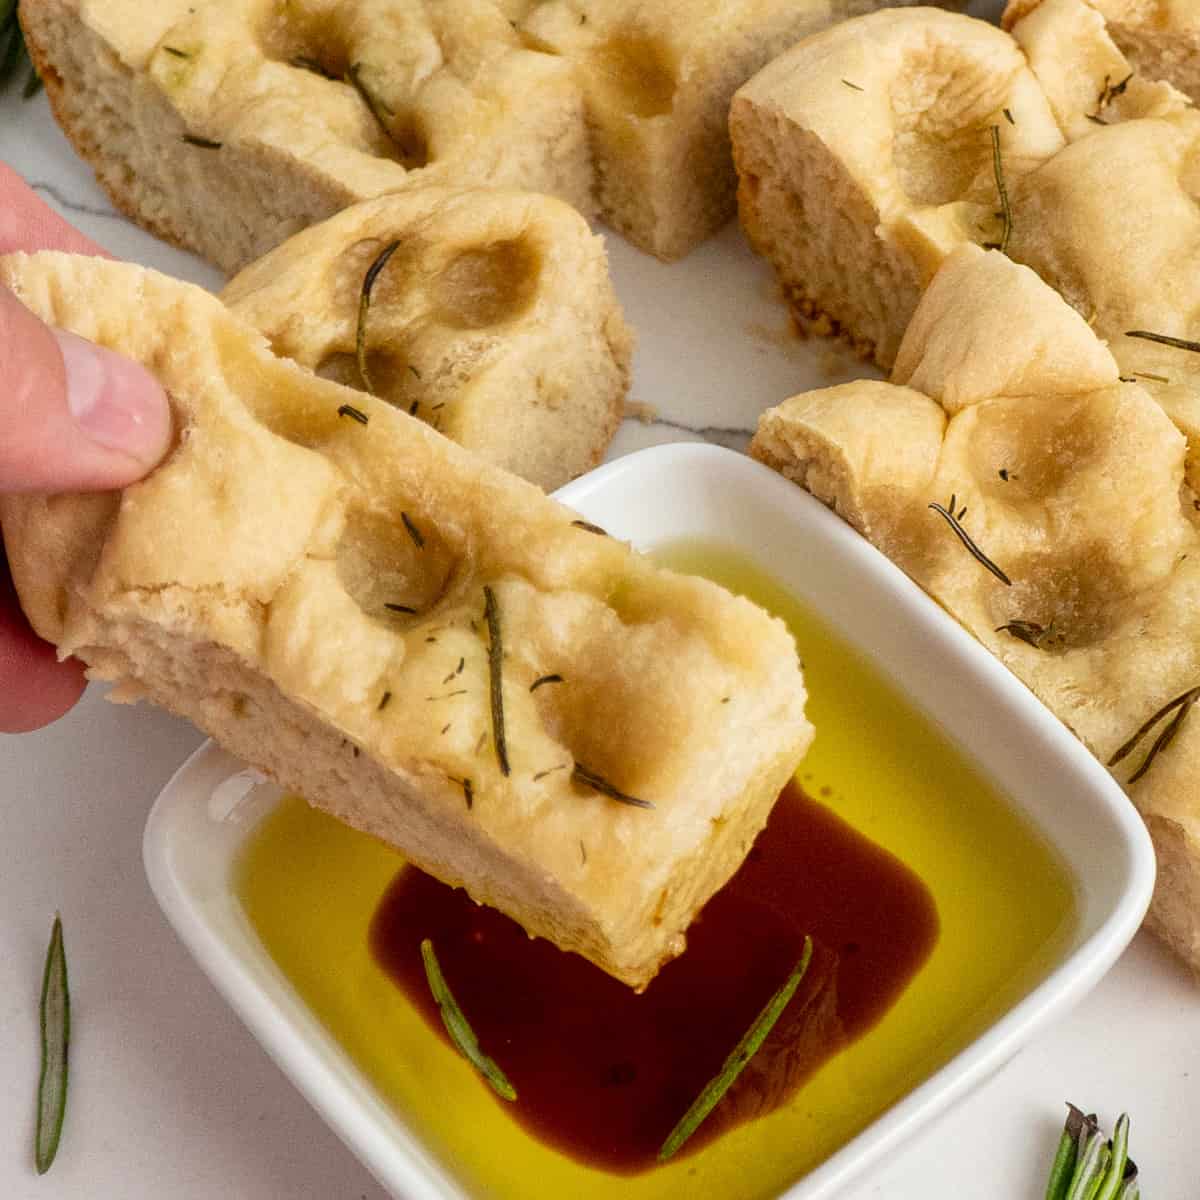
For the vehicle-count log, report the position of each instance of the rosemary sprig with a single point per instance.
(1030, 632)
(13, 52)
(1163, 340)
(590, 528)
(598, 783)
(491, 613)
(364, 307)
(954, 520)
(1182, 705)
(1002, 189)
(542, 680)
(1088, 1166)
(56, 1041)
(413, 532)
(741, 1054)
(355, 414)
(459, 1028)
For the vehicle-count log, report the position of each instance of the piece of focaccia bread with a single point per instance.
(1161, 38)
(870, 152)
(493, 319)
(658, 76)
(1008, 412)
(864, 155)
(227, 125)
(422, 644)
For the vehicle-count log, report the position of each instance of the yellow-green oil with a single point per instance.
(310, 886)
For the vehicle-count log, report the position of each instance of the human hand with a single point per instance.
(73, 418)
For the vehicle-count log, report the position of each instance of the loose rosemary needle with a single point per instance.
(1089, 1166)
(56, 1040)
(364, 307)
(491, 613)
(1182, 705)
(954, 520)
(741, 1054)
(1164, 340)
(459, 1028)
(1002, 189)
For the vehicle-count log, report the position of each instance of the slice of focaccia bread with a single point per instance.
(1070, 482)
(420, 643)
(865, 154)
(1161, 38)
(493, 319)
(225, 126)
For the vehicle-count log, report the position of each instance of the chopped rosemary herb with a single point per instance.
(459, 1029)
(462, 662)
(1182, 705)
(549, 771)
(1109, 94)
(413, 532)
(414, 370)
(741, 1054)
(1148, 375)
(364, 306)
(598, 783)
(55, 1013)
(401, 608)
(384, 701)
(963, 536)
(1002, 189)
(582, 853)
(544, 679)
(491, 613)
(310, 64)
(467, 786)
(852, 85)
(590, 527)
(448, 695)
(201, 142)
(355, 414)
(1009, 117)
(1163, 340)
(176, 52)
(412, 408)
(1030, 632)
(1004, 474)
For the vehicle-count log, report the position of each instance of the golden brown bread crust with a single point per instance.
(307, 578)
(1072, 482)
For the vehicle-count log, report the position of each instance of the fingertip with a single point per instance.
(35, 688)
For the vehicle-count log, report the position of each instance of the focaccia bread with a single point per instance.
(1007, 411)
(1161, 38)
(857, 192)
(493, 319)
(422, 644)
(864, 155)
(225, 126)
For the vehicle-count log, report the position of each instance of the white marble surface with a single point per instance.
(171, 1097)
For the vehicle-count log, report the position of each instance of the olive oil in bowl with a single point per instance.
(891, 832)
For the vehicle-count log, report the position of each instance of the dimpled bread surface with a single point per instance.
(493, 319)
(857, 191)
(227, 125)
(312, 590)
(1006, 409)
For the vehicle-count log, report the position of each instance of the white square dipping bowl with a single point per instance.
(205, 814)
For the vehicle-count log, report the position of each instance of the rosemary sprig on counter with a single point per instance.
(364, 307)
(741, 1054)
(459, 1028)
(56, 1040)
(954, 520)
(1089, 1166)
(13, 53)
(1182, 705)
(491, 613)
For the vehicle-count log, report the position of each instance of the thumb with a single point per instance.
(73, 416)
